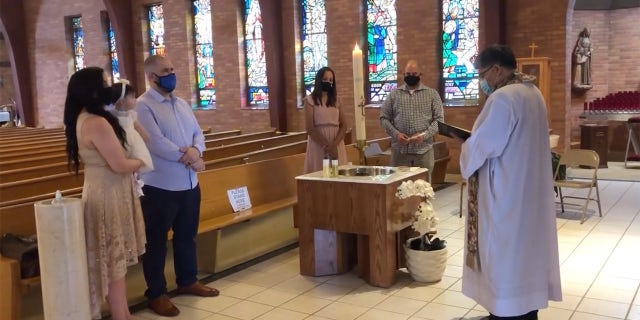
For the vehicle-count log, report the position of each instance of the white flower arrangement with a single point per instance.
(425, 220)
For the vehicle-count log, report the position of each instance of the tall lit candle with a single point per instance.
(358, 94)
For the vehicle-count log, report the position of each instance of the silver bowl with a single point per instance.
(366, 171)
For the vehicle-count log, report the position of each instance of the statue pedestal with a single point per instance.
(364, 206)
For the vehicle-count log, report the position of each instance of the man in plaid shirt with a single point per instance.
(410, 115)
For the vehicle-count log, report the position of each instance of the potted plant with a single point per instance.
(426, 256)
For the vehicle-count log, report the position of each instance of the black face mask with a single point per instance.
(326, 86)
(106, 96)
(411, 80)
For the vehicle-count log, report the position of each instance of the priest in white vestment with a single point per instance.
(511, 245)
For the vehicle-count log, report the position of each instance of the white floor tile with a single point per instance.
(214, 304)
(246, 310)
(437, 311)
(375, 314)
(401, 305)
(603, 308)
(279, 313)
(242, 290)
(419, 291)
(341, 311)
(305, 304)
(272, 297)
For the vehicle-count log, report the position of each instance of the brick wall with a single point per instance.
(51, 54)
(615, 44)
(6, 88)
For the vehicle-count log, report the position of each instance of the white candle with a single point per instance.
(358, 94)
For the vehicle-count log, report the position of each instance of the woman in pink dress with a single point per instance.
(325, 121)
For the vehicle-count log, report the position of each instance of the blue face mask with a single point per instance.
(485, 87)
(167, 83)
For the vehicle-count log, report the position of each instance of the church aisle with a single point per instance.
(599, 262)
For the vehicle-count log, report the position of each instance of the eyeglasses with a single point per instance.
(483, 72)
(412, 74)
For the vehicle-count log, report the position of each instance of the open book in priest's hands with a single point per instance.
(453, 131)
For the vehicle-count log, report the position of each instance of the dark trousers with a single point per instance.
(533, 315)
(164, 210)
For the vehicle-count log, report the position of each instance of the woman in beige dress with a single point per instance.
(114, 227)
(325, 121)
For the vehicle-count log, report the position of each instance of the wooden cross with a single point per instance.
(533, 47)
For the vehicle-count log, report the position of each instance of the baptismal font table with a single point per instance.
(364, 206)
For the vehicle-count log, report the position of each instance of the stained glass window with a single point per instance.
(255, 55)
(382, 48)
(115, 71)
(78, 42)
(314, 40)
(156, 30)
(204, 53)
(459, 51)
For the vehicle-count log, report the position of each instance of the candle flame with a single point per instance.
(356, 47)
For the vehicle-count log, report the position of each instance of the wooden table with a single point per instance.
(362, 206)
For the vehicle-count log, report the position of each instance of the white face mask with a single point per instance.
(485, 87)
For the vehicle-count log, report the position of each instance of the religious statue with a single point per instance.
(582, 61)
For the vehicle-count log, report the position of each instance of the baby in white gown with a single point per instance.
(136, 135)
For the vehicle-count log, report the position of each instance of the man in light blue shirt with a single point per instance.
(171, 198)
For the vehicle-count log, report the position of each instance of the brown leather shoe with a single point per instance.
(163, 306)
(198, 289)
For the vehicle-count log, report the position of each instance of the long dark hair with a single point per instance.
(332, 95)
(86, 91)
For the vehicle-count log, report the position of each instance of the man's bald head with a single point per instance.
(412, 68)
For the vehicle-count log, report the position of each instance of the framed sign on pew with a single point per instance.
(239, 199)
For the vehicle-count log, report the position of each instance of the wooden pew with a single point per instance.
(222, 134)
(12, 190)
(442, 158)
(43, 142)
(225, 238)
(32, 161)
(440, 154)
(7, 134)
(34, 141)
(267, 226)
(22, 189)
(250, 146)
(14, 170)
(33, 172)
(17, 155)
(260, 155)
(240, 138)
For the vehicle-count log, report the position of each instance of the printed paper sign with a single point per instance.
(239, 199)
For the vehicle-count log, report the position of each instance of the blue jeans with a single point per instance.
(164, 210)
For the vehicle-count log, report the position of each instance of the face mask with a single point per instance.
(486, 88)
(167, 83)
(106, 96)
(326, 86)
(411, 80)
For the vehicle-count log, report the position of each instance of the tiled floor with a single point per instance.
(600, 264)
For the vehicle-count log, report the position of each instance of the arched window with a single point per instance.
(115, 70)
(459, 51)
(382, 52)
(203, 34)
(156, 30)
(314, 40)
(78, 42)
(255, 56)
